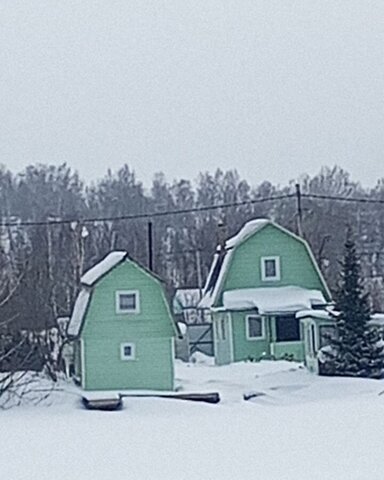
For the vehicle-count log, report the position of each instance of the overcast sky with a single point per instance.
(274, 88)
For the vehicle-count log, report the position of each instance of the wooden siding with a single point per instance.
(151, 331)
(243, 348)
(296, 266)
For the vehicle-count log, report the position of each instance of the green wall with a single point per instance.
(296, 266)
(151, 331)
(243, 348)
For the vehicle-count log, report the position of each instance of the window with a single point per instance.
(287, 328)
(327, 332)
(223, 329)
(254, 327)
(127, 351)
(127, 301)
(270, 269)
(313, 339)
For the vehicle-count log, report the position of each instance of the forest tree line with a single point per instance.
(41, 264)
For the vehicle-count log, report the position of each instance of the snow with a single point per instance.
(79, 311)
(272, 299)
(377, 319)
(209, 298)
(182, 328)
(103, 267)
(320, 314)
(246, 231)
(299, 426)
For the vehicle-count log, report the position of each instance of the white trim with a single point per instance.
(262, 337)
(121, 311)
(230, 336)
(173, 358)
(124, 357)
(82, 362)
(264, 276)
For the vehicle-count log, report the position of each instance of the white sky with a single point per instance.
(273, 88)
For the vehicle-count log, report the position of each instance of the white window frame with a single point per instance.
(127, 292)
(133, 350)
(277, 277)
(247, 327)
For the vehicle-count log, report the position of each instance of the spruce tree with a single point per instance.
(356, 350)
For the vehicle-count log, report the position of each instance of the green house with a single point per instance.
(258, 281)
(122, 328)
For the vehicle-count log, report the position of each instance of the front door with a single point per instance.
(223, 339)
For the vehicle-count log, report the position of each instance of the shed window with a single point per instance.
(287, 328)
(270, 268)
(327, 332)
(254, 327)
(127, 302)
(223, 329)
(127, 351)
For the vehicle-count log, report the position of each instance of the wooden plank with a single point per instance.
(211, 397)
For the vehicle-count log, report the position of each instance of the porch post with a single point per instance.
(272, 334)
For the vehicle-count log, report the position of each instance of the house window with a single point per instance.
(127, 301)
(287, 328)
(270, 269)
(254, 327)
(127, 351)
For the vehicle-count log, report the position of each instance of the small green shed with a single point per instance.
(258, 281)
(122, 328)
(318, 326)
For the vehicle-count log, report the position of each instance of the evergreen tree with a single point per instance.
(356, 351)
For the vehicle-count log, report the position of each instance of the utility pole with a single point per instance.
(198, 271)
(221, 236)
(299, 211)
(150, 246)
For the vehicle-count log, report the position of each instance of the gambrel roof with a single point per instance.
(223, 256)
(88, 283)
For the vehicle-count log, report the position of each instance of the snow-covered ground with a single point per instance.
(299, 426)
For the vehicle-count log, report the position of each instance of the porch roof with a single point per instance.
(269, 300)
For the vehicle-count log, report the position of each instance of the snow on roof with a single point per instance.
(79, 311)
(100, 269)
(272, 299)
(377, 319)
(320, 314)
(215, 279)
(221, 260)
(246, 231)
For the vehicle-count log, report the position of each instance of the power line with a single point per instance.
(148, 215)
(151, 215)
(342, 199)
